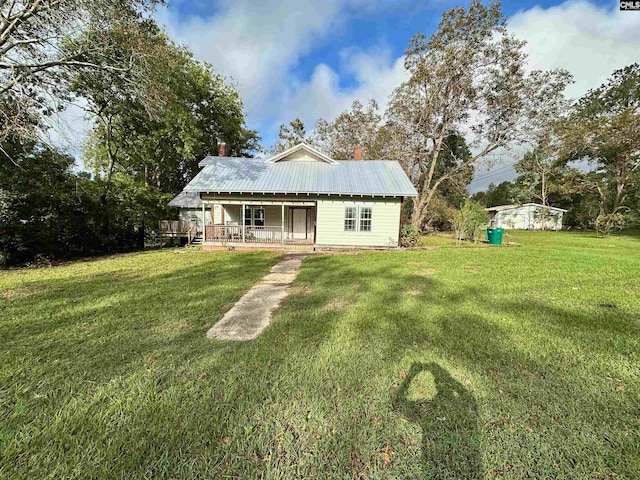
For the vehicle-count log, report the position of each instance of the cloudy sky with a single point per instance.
(312, 58)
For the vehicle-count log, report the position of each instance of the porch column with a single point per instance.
(282, 223)
(204, 223)
(244, 226)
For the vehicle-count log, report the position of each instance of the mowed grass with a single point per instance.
(513, 362)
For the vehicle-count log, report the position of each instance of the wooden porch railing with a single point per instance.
(233, 233)
(178, 228)
(173, 227)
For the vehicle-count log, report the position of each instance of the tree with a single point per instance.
(157, 126)
(604, 131)
(289, 136)
(468, 76)
(502, 194)
(47, 211)
(43, 40)
(542, 175)
(468, 220)
(351, 128)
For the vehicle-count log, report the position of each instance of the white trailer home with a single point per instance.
(529, 216)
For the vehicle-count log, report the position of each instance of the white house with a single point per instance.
(529, 216)
(298, 197)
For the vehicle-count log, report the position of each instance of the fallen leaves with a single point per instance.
(387, 455)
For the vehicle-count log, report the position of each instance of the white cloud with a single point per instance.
(375, 73)
(257, 43)
(588, 41)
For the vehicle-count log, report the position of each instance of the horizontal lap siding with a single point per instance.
(194, 215)
(385, 223)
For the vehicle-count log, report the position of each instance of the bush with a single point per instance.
(606, 223)
(409, 236)
(468, 220)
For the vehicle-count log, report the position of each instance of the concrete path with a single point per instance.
(252, 313)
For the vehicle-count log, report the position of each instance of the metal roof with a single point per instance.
(187, 200)
(500, 208)
(251, 175)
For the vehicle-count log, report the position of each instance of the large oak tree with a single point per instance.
(41, 41)
(469, 77)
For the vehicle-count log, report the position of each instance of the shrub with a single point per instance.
(468, 220)
(409, 236)
(606, 223)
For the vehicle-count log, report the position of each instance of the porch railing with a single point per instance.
(234, 233)
(174, 227)
(178, 228)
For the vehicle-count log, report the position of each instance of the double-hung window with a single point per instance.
(357, 219)
(350, 215)
(365, 219)
(254, 216)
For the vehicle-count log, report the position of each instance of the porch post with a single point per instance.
(244, 226)
(204, 220)
(282, 223)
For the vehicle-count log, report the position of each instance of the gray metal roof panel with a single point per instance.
(186, 200)
(247, 175)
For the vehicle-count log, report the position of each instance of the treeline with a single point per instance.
(155, 113)
(469, 100)
(49, 212)
(591, 163)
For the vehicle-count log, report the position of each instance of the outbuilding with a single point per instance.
(528, 216)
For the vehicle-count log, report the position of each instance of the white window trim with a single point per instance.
(370, 219)
(251, 208)
(354, 218)
(357, 219)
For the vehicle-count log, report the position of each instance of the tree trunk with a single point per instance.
(543, 197)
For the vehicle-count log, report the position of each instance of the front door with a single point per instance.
(299, 223)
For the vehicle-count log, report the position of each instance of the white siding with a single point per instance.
(194, 215)
(526, 217)
(300, 156)
(385, 223)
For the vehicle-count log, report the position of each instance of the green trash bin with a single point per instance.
(494, 235)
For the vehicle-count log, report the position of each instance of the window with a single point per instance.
(350, 219)
(358, 219)
(365, 219)
(254, 216)
(258, 217)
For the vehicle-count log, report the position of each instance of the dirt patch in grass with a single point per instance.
(180, 325)
(21, 292)
(338, 304)
(412, 293)
(426, 272)
(300, 290)
(474, 268)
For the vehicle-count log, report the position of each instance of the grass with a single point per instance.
(447, 363)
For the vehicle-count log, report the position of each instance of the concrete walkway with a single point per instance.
(252, 313)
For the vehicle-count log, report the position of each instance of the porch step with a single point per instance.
(298, 248)
(196, 241)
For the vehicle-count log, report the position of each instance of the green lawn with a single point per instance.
(446, 363)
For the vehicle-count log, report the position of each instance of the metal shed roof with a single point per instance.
(187, 200)
(501, 208)
(250, 175)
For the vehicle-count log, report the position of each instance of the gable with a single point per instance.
(301, 153)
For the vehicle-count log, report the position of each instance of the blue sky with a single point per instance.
(312, 58)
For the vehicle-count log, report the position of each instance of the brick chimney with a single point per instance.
(222, 149)
(357, 153)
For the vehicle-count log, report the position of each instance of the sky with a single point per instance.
(312, 58)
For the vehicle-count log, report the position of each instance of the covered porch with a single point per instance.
(267, 223)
